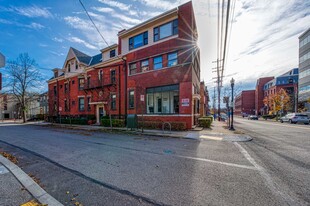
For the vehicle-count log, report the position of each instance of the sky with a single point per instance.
(263, 39)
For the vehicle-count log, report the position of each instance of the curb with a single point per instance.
(37, 192)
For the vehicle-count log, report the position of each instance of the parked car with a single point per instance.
(253, 117)
(223, 117)
(294, 118)
(245, 115)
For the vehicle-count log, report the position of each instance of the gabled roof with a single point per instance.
(84, 58)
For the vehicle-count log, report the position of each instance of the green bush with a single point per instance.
(115, 122)
(205, 122)
(268, 116)
(209, 117)
(79, 121)
(175, 126)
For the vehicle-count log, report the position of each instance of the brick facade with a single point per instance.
(259, 93)
(166, 91)
(245, 103)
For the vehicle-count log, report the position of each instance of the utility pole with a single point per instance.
(218, 81)
(214, 103)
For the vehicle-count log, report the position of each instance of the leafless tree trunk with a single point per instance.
(23, 80)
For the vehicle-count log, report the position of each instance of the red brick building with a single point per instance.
(259, 94)
(288, 82)
(154, 70)
(204, 100)
(245, 102)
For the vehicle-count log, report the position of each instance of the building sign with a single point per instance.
(142, 98)
(185, 102)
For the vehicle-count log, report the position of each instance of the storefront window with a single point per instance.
(163, 100)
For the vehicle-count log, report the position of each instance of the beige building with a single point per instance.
(8, 107)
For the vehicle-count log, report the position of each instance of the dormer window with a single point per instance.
(76, 65)
(69, 67)
(112, 53)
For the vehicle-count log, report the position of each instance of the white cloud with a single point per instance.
(57, 39)
(80, 41)
(162, 4)
(126, 18)
(86, 28)
(34, 25)
(103, 9)
(43, 45)
(121, 6)
(33, 11)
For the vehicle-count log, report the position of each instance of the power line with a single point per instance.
(97, 28)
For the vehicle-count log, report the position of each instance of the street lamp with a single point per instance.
(232, 83)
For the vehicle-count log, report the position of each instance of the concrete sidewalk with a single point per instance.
(216, 132)
(11, 191)
(17, 188)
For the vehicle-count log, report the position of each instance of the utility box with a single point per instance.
(132, 121)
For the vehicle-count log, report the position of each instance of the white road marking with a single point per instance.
(270, 183)
(217, 162)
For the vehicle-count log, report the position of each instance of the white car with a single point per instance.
(294, 118)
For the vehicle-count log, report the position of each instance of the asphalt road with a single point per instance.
(118, 169)
(283, 149)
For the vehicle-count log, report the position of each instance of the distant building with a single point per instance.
(304, 70)
(287, 81)
(245, 103)
(259, 94)
(204, 100)
(8, 107)
(44, 103)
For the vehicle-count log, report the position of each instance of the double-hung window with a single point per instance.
(112, 53)
(113, 101)
(81, 103)
(81, 83)
(131, 99)
(113, 78)
(138, 40)
(158, 62)
(145, 65)
(88, 103)
(166, 30)
(132, 68)
(172, 59)
(66, 87)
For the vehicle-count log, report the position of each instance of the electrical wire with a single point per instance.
(97, 27)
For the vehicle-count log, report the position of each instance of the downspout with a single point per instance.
(119, 91)
(125, 81)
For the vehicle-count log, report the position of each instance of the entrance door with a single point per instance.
(100, 114)
(159, 105)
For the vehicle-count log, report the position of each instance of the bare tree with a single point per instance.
(23, 80)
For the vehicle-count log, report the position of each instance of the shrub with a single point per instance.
(204, 122)
(175, 126)
(72, 121)
(209, 117)
(269, 116)
(115, 122)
